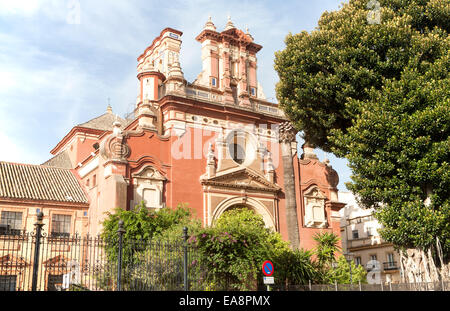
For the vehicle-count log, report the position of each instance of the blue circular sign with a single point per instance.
(267, 268)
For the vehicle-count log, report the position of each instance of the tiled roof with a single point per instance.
(103, 122)
(39, 182)
(61, 160)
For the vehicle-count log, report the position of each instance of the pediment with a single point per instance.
(149, 172)
(241, 178)
(314, 192)
(237, 34)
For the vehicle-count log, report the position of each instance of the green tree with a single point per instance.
(235, 248)
(326, 248)
(342, 274)
(329, 268)
(151, 248)
(378, 94)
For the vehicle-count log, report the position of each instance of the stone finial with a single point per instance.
(210, 155)
(116, 127)
(270, 166)
(308, 151)
(175, 70)
(148, 66)
(209, 25)
(247, 33)
(109, 109)
(229, 24)
(286, 132)
(211, 163)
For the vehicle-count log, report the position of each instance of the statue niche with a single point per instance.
(315, 208)
(148, 187)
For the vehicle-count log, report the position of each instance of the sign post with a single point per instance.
(267, 270)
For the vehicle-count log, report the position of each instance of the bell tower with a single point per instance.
(155, 63)
(229, 63)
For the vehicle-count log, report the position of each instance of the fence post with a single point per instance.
(335, 285)
(310, 287)
(359, 282)
(39, 224)
(120, 233)
(185, 264)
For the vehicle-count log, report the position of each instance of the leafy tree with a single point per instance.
(326, 248)
(378, 94)
(150, 250)
(330, 270)
(235, 248)
(144, 224)
(342, 274)
(294, 267)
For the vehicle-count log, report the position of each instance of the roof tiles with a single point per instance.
(38, 182)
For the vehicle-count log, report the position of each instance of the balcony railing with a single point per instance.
(390, 265)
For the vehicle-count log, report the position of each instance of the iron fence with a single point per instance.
(35, 261)
(423, 286)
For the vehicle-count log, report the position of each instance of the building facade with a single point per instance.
(360, 239)
(214, 143)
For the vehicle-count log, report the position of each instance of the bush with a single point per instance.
(236, 247)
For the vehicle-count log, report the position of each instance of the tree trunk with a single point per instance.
(418, 266)
(287, 135)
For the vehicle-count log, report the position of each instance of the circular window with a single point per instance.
(241, 147)
(237, 153)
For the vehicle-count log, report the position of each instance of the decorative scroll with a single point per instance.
(286, 132)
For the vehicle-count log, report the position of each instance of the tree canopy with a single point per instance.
(379, 95)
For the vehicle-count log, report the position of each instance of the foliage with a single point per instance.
(147, 254)
(236, 247)
(378, 94)
(294, 267)
(326, 248)
(329, 270)
(341, 274)
(141, 224)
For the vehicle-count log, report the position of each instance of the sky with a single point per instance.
(63, 61)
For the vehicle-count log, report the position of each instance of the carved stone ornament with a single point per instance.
(315, 208)
(286, 132)
(114, 147)
(148, 186)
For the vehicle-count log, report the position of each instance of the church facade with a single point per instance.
(215, 143)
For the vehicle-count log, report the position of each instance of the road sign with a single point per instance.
(267, 268)
(269, 280)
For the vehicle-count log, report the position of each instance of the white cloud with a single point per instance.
(13, 151)
(19, 7)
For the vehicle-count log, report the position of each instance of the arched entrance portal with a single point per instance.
(249, 203)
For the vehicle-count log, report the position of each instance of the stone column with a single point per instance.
(286, 136)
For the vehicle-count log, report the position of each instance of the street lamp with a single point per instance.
(348, 257)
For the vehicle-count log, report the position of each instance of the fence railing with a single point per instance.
(423, 286)
(37, 262)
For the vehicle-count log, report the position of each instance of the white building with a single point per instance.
(360, 237)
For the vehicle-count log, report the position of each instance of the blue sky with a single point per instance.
(60, 60)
